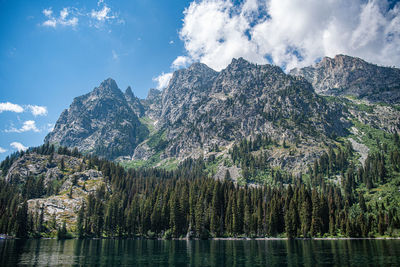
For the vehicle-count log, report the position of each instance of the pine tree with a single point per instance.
(22, 221)
(316, 221)
(199, 218)
(62, 232)
(291, 220)
(305, 213)
(215, 225)
(80, 220)
(62, 164)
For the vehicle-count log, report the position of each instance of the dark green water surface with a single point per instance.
(200, 253)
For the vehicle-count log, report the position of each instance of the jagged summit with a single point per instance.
(103, 122)
(346, 75)
(108, 87)
(153, 93)
(239, 62)
(202, 108)
(134, 102)
(129, 93)
(197, 66)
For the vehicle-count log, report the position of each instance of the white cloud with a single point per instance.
(26, 127)
(99, 17)
(65, 18)
(181, 61)
(48, 12)
(171, 42)
(7, 106)
(163, 80)
(18, 146)
(50, 23)
(50, 127)
(290, 33)
(38, 110)
(102, 14)
(64, 13)
(2, 150)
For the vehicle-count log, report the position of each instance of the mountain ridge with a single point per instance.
(345, 75)
(100, 122)
(202, 110)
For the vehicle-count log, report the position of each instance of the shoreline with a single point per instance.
(2, 237)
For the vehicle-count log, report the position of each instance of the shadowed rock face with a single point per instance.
(101, 122)
(198, 110)
(202, 108)
(134, 102)
(345, 75)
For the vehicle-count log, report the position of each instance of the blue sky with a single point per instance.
(52, 51)
(49, 66)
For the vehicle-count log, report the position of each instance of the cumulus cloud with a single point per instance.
(18, 146)
(163, 80)
(50, 127)
(181, 61)
(47, 12)
(7, 106)
(63, 19)
(290, 33)
(70, 16)
(37, 110)
(2, 150)
(26, 127)
(102, 14)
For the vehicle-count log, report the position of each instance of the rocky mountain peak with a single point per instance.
(342, 62)
(108, 86)
(240, 62)
(103, 122)
(185, 82)
(134, 102)
(153, 93)
(346, 75)
(200, 67)
(129, 93)
(196, 70)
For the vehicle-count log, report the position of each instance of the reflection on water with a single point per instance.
(200, 253)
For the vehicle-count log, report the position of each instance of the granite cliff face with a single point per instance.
(103, 122)
(134, 102)
(203, 110)
(345, 75)
(61, 184)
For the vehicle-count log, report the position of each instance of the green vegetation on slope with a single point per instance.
(159, 203)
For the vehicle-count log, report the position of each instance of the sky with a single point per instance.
(53, 50)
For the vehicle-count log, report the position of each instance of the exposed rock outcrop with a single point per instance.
(345, 75)
(103, 122)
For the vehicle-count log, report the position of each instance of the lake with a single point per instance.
(231, 253)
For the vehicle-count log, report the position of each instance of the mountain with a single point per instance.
(101, 122)
(134, 102)
(203, 110)
(66, 181)
(345, 75)
(328, 165)
(203, 113)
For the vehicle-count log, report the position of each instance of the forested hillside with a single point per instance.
(361, 201)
